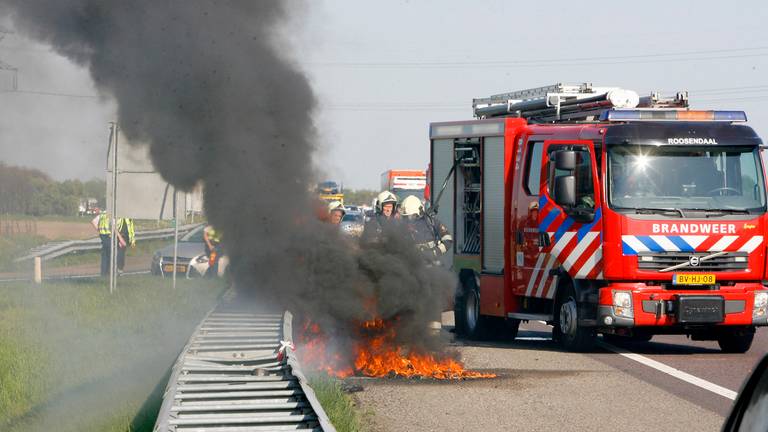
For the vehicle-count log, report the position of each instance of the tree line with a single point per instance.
(31, 192)
(359, 196)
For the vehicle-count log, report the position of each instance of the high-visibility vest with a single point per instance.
(131, 229)
(213, 235)
(104, 224)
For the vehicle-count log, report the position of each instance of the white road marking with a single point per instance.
(677, 373)
(661, 367)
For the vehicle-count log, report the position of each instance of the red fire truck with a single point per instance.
(601, 212)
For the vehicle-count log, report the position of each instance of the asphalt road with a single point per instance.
(541, 387)
(701, 359)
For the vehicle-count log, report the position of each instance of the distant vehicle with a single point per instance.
(403, 183)
(369, 214)
(352, 208)
(330, 191)
(352, 223)
(88, 207)
(191, 260)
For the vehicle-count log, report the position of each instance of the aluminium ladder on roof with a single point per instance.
(569, 102)
(231, 377)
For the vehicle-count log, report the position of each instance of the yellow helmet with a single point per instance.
(412, 206)
(336, 205)
(386, 197)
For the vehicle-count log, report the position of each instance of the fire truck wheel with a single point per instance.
(737, 340)
(466, 310)
(567, 330)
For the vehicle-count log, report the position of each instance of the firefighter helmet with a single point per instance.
(336, 206)
(386, 197)
(412, 206)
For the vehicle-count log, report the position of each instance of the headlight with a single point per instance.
(622, 304)
(761, 305)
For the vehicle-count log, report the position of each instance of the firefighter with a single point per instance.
(385, 215)
(102, 226)
(126, 236)
(431, 237)
(336, 212)
(212, 240)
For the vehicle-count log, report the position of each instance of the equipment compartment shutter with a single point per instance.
(493, 204)
(442, 162)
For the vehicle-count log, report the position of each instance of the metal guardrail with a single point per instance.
(238, 373)
(57, 249)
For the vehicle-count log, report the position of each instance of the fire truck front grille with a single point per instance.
(731, 261)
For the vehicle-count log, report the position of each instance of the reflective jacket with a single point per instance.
(131, 240)
(104, 224)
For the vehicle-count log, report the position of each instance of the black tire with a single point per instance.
(736, 340)
(567, 330)
(466, 310)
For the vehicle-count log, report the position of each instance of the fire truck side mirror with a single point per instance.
(565, 160)
(565, 190)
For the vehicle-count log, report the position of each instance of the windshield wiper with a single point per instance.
(715, 212)
(652, 210)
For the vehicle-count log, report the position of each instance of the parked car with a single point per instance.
(191, 260)
(352, 223)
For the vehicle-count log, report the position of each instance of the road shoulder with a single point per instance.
(539, 388)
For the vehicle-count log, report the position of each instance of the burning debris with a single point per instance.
(374, 352)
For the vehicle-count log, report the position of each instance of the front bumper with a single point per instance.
(654, 306)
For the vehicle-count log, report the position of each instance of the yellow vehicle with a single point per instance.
(330, 191)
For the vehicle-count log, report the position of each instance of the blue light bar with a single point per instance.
(672, 115)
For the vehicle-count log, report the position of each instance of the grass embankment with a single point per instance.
(12, 247)
(337, 404)
(75, 358)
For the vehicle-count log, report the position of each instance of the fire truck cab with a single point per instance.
(602, 212)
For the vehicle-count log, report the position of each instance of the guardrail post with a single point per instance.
(38, 277)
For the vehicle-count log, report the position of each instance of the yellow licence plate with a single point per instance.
(693, 279)
(180, 268)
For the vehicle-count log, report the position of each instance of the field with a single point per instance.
(74, 358)
(66, 227)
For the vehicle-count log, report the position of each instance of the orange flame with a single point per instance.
(376, 354)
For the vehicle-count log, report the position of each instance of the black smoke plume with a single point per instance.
(207, 85)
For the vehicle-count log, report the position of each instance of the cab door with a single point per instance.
(524, 243)
(569, 217)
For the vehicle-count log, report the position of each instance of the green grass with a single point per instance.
(337, 404)
(12, 247)
(75, 358)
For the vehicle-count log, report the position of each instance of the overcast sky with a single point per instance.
(383, 70)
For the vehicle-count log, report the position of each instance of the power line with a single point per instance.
(571, 61)
(46, 93)
(453, 105)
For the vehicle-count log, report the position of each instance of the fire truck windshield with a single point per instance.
(721, 178)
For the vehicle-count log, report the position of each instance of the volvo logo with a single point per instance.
(694, 261)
